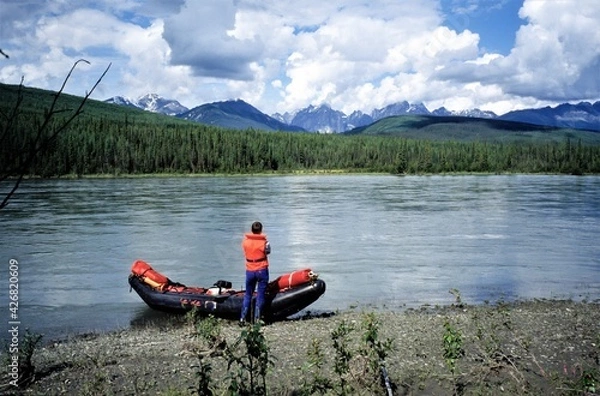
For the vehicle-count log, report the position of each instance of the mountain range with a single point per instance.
(151, 102)
(238, 114)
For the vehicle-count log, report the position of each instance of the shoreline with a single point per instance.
(314, 172)
(154, 318)
(535, 346)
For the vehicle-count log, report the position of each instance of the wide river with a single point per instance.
(378, 241)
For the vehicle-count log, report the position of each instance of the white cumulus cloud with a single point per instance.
(282, 56)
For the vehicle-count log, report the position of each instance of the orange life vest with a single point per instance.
(254, 250)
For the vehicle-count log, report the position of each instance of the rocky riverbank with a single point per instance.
(534, 347)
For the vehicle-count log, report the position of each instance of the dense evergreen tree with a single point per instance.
(96, 145)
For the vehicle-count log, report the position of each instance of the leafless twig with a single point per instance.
(40, 142)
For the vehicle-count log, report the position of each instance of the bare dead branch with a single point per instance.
(40, 143)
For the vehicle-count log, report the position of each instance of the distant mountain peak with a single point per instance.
(320, 119)
(236, 114)
(151, 102)
(122, 101)
(583, 115)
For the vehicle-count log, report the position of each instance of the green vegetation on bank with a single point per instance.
(539, 347)
(115, 140)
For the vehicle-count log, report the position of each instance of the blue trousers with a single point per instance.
(254, 278)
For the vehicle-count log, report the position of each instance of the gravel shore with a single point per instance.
(541, 347)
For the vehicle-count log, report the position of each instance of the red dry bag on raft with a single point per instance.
(293, 279)
(144, 271)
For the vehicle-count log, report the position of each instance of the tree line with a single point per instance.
(95, 145)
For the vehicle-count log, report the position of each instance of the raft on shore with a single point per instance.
(286, 295)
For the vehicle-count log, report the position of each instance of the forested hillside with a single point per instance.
(113, 140)
(473, 129)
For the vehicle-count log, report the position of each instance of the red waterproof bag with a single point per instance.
(145, 272)
(296, 278)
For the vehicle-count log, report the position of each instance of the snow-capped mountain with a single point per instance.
(286, 117)
(158, 104)
(324, 119)
(151, 102)
(358, 119)
(320, 119)
(400, 108)
(583, 115)
(476, 113)
(122, 101)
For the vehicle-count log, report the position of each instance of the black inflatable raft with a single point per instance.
(227, 303)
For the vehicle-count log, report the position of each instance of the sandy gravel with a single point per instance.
(535, 347)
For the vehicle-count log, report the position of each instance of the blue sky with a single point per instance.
(497, 55)
(496, 22)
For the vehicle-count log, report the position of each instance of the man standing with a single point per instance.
(256, 248)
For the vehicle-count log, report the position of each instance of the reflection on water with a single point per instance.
(380, 241)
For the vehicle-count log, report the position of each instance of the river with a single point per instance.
(378, 241)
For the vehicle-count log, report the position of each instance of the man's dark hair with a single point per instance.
(256, 227)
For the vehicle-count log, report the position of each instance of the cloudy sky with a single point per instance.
(281, 55)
